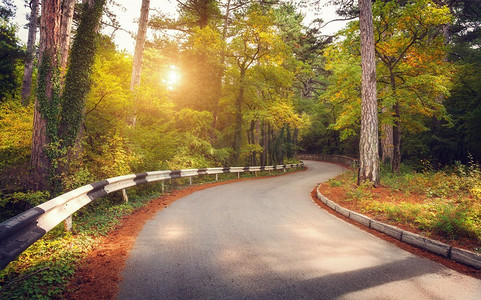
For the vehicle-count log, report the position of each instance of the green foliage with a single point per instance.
(44, 269)
(362, 192)
(11, 54)
(456, 221)
(16, 133)
(335, 183)
(12, 204)
(78, 78)
(412, 72)
(49, 101)
(448, 205)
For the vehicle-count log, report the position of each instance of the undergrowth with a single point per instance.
(45, 268)
(444, 203)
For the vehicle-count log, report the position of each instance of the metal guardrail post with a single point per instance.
(67, 223)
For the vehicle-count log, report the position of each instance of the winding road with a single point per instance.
(266, 239)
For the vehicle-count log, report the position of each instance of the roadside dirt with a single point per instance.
(98, 276)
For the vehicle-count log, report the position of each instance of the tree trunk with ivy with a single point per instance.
(57, 117)
(368, 144)
(77, 79)
(47, 101)
(32, 35)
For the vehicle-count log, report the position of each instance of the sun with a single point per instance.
(172, 77)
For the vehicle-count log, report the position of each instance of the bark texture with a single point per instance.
(48, 48)
(368, 144)
(32, 36)
(140, 44)
(68, 7)
(238, 117)
(387, 146)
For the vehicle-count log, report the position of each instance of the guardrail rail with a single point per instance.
(340, 159)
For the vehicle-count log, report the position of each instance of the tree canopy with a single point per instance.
(240, 83)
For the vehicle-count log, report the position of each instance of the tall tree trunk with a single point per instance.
(46, 105)
(264, 145)
(295, 140)
(220, 70)
(238, 117)
(32, 36)
(257, 139)
(139, 51)
(270, 146)
(68, 7)
(252, 141)
(77, 79)
(387, 142)
(387, 146)
(140, 44)
(368, 143)
(289, 148)
(396, 134)
(396, 129)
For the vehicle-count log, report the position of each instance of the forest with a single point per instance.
(228, 83)
(238, 83)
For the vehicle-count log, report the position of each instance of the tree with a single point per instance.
(140, 43)
(68, 7)
(78, 77)
(10, 51)
(48, 91)
(255, 40)
(411, 71)
(412, 65)
(58, 115)
(32, 34)
(368, 143)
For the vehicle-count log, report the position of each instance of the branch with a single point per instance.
(116, 27)
(467, 86)
(97, 104)
(338, 20)
(184, 5)
(26, 276)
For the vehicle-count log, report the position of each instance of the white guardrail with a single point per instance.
(339, 159)
(21, 231)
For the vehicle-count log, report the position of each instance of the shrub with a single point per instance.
(12, 204)
(454, 222)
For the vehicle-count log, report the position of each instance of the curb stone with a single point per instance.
(434, 246)
(343, 211)
(362, 219)
(462, 256)
(331, 204)
(466, 257)
(390, 230)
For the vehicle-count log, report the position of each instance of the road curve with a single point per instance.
(266, 239)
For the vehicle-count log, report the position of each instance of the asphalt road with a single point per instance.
(266, 239)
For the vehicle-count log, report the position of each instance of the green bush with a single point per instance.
(455, 222)
(12, 204)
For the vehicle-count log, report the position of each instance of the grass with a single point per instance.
(45, 268)
(440, 204)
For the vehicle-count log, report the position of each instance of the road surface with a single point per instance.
(266, 239)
